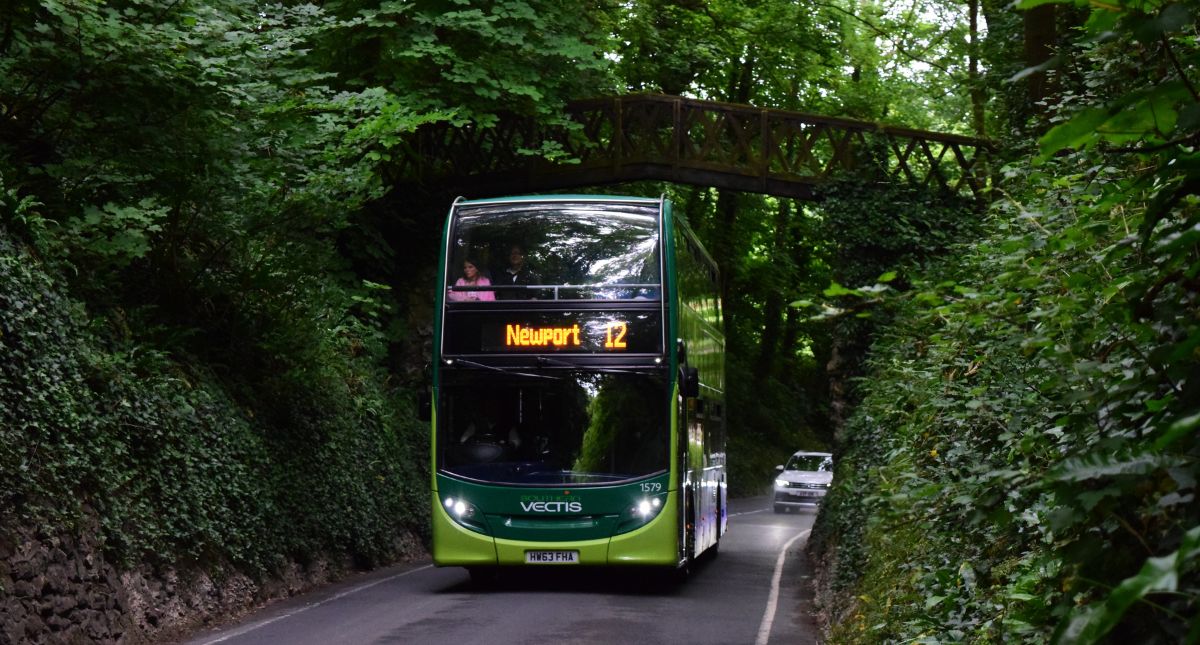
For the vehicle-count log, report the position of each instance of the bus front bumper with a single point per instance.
(654, 544)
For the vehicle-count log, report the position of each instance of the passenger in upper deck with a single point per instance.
(517, 272)
(472, 278)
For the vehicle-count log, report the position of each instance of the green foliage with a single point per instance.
(906, 63)
(186, 351)
(901, 62)
(1029, 412)
(21, 211)
(877, 234)
(1158, 575)
(172, 467)
(832, 58)
(1007, 397)
(773, 379)
(200, 336)
(117, 234)
(1024, 461)
(729, 51)
(875, 228)
(524, 56)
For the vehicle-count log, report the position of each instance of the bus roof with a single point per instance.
(559, 198)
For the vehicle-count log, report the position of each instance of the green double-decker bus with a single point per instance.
(578, 387)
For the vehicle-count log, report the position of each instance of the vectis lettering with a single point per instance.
(552, 507)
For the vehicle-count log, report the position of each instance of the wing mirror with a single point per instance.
(425, 405)
(425, 397)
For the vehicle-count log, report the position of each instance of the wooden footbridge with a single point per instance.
(689, 141)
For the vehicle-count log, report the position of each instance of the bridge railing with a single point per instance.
(699, 142)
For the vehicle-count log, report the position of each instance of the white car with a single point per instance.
(803, 481)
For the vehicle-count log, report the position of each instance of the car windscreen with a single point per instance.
(812, 463)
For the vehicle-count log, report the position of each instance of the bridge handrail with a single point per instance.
(650, 136)
(842, 122)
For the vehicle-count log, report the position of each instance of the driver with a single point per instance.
(490, 426)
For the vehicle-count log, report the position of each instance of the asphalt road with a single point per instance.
(755, 591)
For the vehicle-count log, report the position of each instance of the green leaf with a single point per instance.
(1051, 63)
(1181, 428)
(1189, 118)
(835, 290)
(1098, 465)
(1102, 21)
(1030, 4)
(1090, 623)
(1170, 20)
(1073, 133)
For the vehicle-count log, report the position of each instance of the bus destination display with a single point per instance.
(559, 337)
(570, 332)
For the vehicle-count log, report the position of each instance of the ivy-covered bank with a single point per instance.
(101, 434)
(1024, 462)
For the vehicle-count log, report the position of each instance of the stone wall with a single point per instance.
(59, 589)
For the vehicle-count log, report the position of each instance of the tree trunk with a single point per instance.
(723, 249)
(1040, 36)
(741, 79)
(791, 329)
(978, 96)
(769, 346)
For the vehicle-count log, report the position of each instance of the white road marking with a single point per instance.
(764, 628)
(249, 628)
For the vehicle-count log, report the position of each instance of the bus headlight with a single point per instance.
(464, 513)
(648, 508)
(642, 511)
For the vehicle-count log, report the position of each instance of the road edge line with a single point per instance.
(249, 628)
(764, 628)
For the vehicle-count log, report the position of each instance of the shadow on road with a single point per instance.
(629, 581)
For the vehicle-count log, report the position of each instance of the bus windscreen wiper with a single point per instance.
(558, 362)
(502, 370)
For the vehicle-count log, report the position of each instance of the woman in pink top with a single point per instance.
(472, 278)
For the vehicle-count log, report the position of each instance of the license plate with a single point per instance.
(552, 557)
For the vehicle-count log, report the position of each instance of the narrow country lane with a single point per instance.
(756, 591)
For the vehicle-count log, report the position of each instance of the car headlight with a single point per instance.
(781, 483)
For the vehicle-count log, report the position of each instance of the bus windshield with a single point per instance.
(558, 250)
(553, 428)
